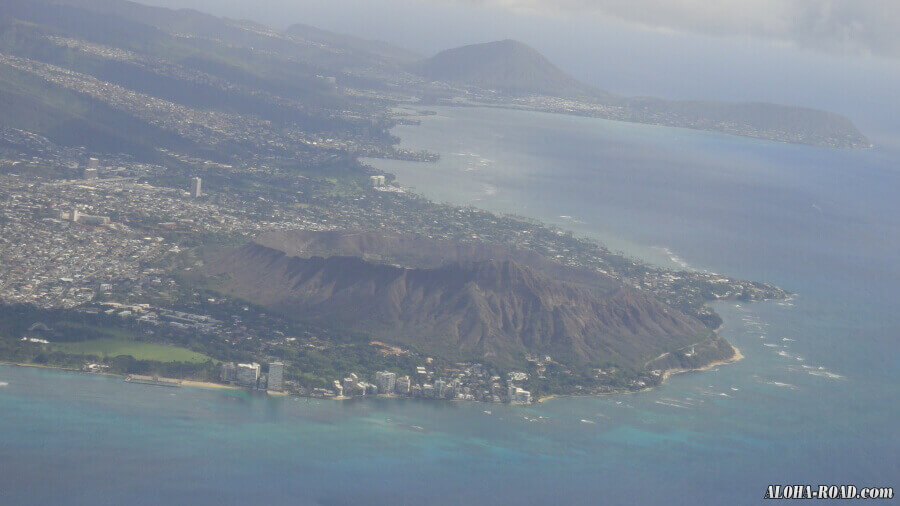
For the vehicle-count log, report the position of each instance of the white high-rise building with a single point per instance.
(276, 376)
(403, 384)
(523, 396)
(229, 372)
(518, 395)
(440, 388)
(93, 163)
(386, 381)
(196, 190)
(247, 374)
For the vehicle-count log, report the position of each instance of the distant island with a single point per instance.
(512, 74)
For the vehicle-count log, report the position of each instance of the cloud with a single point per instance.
(836, 26)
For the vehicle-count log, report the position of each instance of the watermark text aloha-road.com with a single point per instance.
(827, 492)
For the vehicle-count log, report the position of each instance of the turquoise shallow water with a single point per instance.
(815, 399)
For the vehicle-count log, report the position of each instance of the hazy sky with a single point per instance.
(842, 55)
(840, 26)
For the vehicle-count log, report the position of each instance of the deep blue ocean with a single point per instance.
(814, 401)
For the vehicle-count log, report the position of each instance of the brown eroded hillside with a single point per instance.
(495, 309)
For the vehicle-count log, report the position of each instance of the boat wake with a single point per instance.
(826, 374)
(687, 402)
(781, 384)
(821, 372)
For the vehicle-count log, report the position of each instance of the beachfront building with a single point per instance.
(440, 389)
(386, 381)
(403, 384)
(229, 372)
(523, 396)
(247, 374)
(276, 376)
(517, 395)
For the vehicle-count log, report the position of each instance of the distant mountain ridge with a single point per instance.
(310, 45)
(352, 43)
(194, 63)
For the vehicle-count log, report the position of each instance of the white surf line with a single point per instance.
(781, 384)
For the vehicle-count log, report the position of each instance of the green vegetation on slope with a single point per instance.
(29, 103)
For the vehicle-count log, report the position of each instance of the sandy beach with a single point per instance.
(205, 384)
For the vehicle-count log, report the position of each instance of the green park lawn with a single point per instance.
(110, 347)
